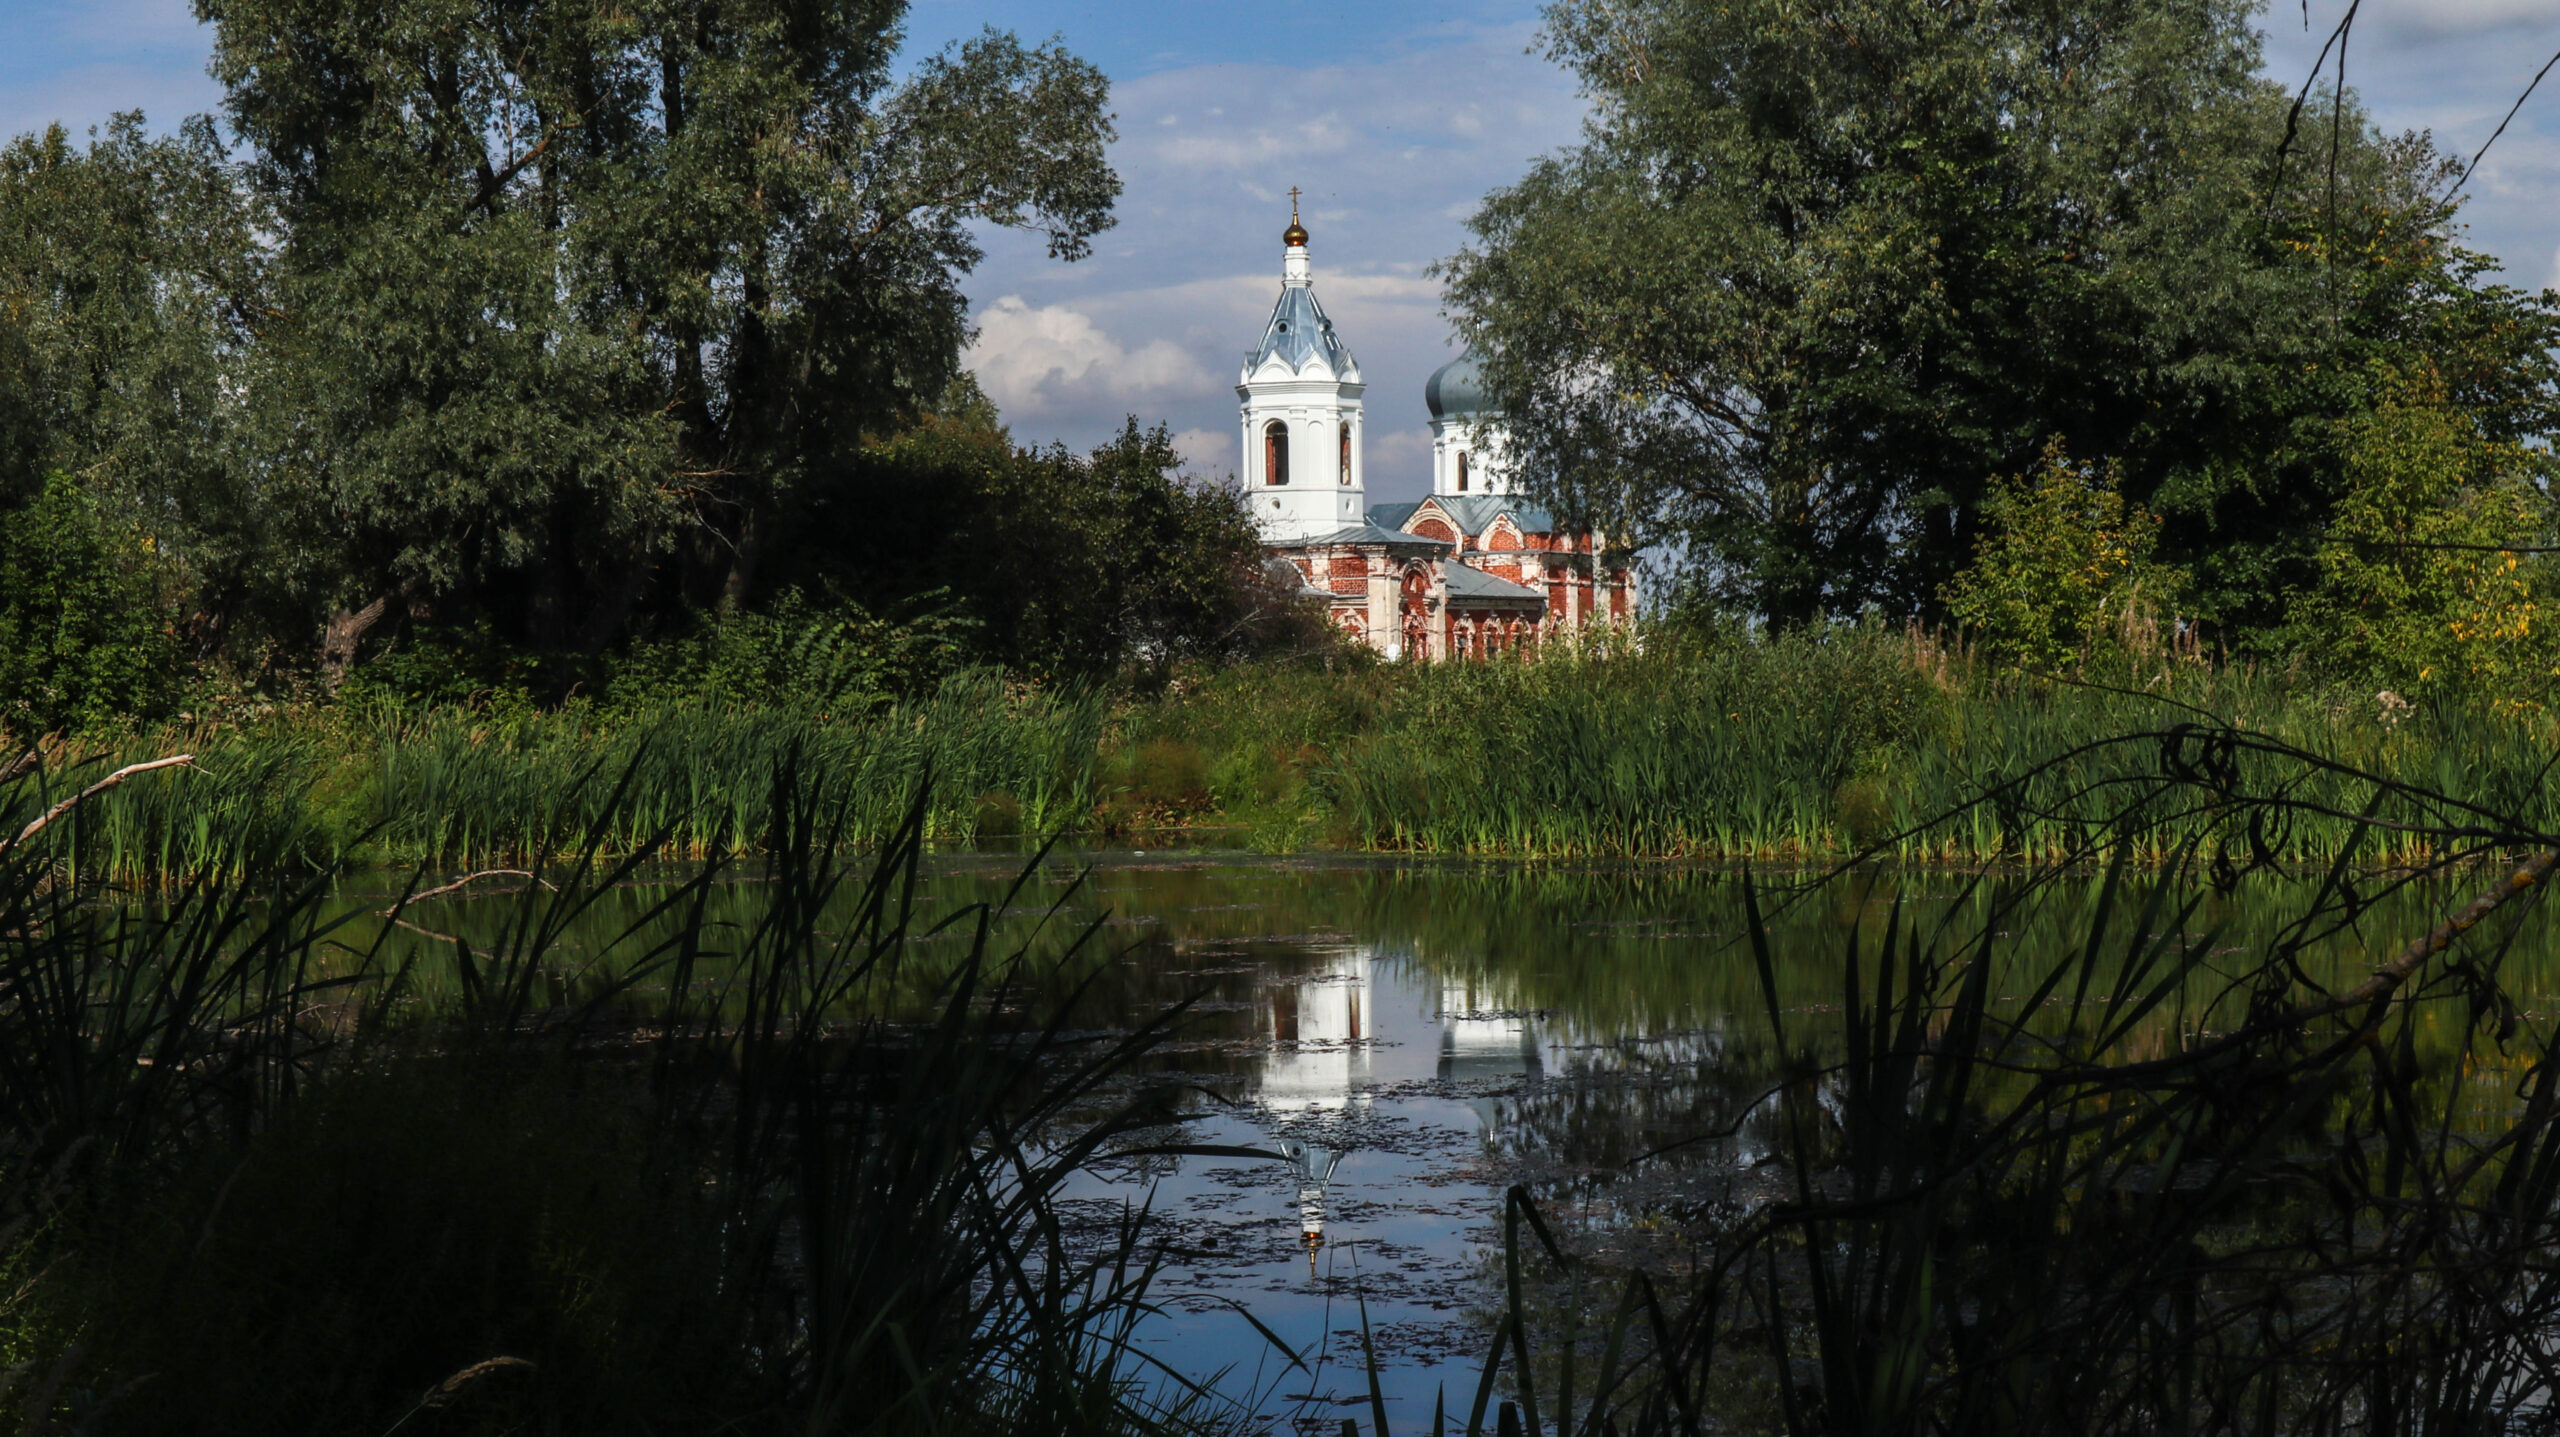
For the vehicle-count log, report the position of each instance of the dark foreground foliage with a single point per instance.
(274, 1167)
(2136, 1182)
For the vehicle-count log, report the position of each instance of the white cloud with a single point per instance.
(2451, 19)
(1207, 451)
(1391, 152)
(1036, 360)
(1398, 450)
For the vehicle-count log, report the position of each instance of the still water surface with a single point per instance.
(1412, 1037)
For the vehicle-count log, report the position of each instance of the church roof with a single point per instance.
(1478, 587)
(1475, 513)
(1300, 332)
(1456, 387)
(1365, 534)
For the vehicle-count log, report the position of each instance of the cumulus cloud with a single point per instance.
(1036, 360)
(1398, 450)
(1390, 152)
(1207, 452)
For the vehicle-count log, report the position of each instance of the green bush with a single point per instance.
(83, 642)
(2064, 568)
(796, 652)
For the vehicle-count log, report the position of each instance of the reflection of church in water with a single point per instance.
(1471, 570)
(1323, 1027)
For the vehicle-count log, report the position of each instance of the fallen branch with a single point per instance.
(463, 882)
(49, 816)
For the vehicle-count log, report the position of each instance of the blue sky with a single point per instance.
(1395, 117)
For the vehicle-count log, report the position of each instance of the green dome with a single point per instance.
(1456, 387)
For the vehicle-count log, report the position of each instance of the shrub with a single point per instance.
(82, 638)
(2063, 566)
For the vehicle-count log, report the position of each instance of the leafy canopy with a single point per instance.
(2421, 588)
(1816, 271)
(532, 315)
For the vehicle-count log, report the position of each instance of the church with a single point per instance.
(1471, 571)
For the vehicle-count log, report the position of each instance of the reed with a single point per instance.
(287, 1165)
(454, 788)
(1805, 748)
(1874, 742)
(2103, 1178)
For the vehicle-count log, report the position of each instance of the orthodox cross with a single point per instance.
(1293, 204)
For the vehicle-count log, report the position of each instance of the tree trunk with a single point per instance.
(338, 639)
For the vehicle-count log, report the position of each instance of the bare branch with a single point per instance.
(50, 815)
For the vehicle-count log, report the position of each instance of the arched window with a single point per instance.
(1346, 451)
(1462, 471)
(1275, 453)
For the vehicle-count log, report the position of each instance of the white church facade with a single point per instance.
(1470, 571)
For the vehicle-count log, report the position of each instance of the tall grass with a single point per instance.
(1871, 741)
(453, 788)
(2010, 1180)
(1859, 740)
(272, 1165)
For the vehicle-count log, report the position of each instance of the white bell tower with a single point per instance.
(1301, 390)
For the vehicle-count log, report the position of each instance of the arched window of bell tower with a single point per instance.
(1275, 453)
(1462, 471)
(1346, 451)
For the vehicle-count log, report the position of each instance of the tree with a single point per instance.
(571, 298)
(1067, 563)
(2421, 588)
(131, 286)
(1818, 270)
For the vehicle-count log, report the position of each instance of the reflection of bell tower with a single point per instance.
(1321, 1027)
(1313, 1166)
(1301, 389)
(1485, 1039)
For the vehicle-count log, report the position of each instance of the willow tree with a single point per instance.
(1817, 271)
(132, 281)
(569, 296)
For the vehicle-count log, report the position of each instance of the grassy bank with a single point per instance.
(1801, 750)
(451, 786)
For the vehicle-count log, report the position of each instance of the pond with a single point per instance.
(1411, 1038)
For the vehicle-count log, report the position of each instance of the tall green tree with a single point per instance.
(572, 295)
(1817, 271)
(1066, 563)
(132, 287)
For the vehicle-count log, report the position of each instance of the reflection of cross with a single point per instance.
(1293, 204)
